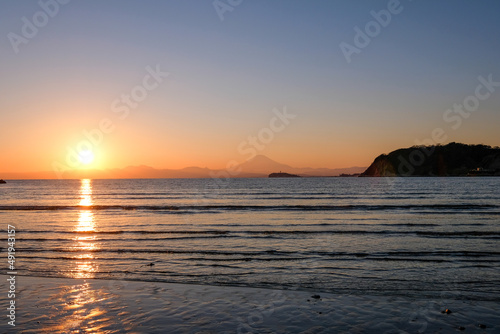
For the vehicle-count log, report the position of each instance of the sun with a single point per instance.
(86, 157)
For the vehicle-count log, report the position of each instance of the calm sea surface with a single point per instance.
(429, 237)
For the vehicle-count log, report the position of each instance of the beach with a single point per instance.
(319, 255)
(60, 305)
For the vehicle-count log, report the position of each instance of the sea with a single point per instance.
(433, 237)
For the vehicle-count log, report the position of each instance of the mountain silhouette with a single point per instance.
(258, 166)
(261, 164)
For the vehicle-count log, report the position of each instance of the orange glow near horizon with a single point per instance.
(142, 139)
(137, 141)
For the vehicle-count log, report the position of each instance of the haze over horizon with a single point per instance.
(258, 166)
(101, 85)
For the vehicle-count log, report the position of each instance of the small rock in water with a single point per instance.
(447, 311)
(151, 264)
(482, 326)
(316, 296)
(461, 328)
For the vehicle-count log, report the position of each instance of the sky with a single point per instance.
(172, 84)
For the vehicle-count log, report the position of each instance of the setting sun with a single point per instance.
(86, 157)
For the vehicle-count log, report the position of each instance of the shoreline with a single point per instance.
(63, 305)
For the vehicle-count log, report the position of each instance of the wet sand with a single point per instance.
(55, 305)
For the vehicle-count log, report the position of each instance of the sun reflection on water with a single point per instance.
(80, 306)
(80, 310)
(86, 192)
(85, 241)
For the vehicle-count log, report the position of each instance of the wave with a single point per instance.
(274, 255)
(205, 208)
(251, 233)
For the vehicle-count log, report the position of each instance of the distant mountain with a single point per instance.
(261, 164)
(454, 159)
(258, 166)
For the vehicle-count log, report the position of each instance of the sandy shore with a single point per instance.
(50, 305)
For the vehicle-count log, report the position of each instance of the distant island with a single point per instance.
(280, 174)
(454, 159)
(2, 181)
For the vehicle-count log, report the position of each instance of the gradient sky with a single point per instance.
(227, 76)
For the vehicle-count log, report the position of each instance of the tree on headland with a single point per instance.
(454, 159)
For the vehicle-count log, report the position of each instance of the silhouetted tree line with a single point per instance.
(454, 159)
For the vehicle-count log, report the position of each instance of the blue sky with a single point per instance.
(227, 76)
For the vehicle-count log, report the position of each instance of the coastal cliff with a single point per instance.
(453, 159)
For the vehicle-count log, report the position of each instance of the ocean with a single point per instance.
(416, 237)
